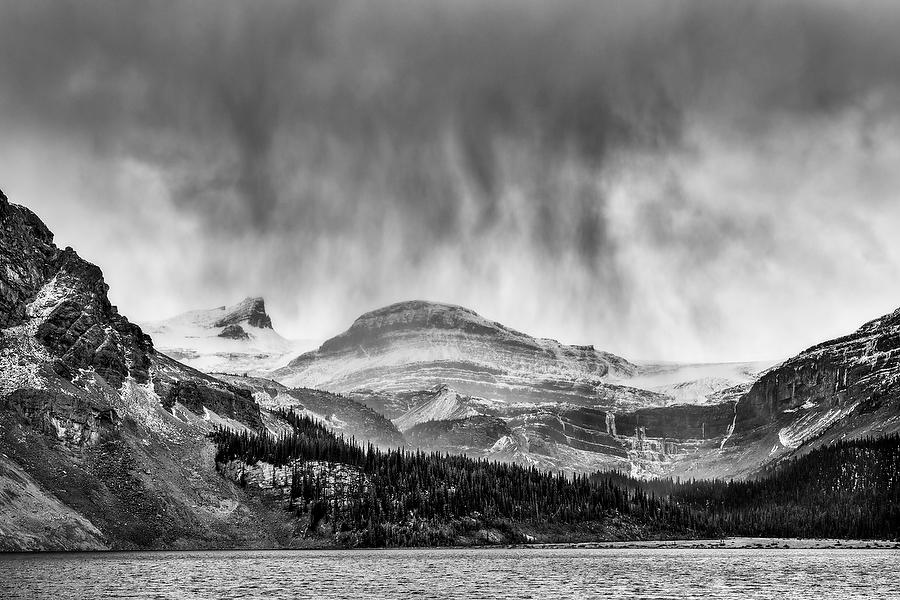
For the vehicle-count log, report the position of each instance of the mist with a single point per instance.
(678, 180)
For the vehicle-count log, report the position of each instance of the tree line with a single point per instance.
(409, 497)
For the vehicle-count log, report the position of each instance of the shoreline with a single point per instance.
(739, 543)
(734, 543)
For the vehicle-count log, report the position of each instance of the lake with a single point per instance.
(456, 573)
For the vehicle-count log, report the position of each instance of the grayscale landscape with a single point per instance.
(461, 299)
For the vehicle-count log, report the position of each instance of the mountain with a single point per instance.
(419, 362)
(418, 345)
(103, 440)
(234, 339)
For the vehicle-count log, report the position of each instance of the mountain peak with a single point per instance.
(424, 315)
(418, 306)
(227, 339)
(251, 309)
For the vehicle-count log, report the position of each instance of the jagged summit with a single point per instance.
(249, 310)
(61, 300)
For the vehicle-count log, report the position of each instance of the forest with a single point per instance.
(402, 497)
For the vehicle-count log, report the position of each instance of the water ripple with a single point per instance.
(466, 574)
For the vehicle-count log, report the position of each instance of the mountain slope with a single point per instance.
(229, 339)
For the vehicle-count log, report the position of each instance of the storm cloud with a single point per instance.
(670, 179)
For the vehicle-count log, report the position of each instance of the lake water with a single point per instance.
(455, 573)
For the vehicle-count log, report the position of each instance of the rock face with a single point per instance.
(250, 310)
(67, 298)
(235, 339)
(234, 332)
(844, 388)
(860, 369)
(28, 259)
(232, 402)
(69, 418)
(418, 345)
(577, 439)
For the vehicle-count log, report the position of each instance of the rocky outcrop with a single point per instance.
(68, 417)
(250, 310)
(684, 421)
(27, 259)
(232, 402)
(234, 332)
(82, 328)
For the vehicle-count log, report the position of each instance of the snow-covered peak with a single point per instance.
(249, 311)
(228, 339)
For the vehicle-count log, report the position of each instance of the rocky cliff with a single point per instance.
(843, 388)
(61, 300)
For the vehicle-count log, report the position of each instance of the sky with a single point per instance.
(673, 180)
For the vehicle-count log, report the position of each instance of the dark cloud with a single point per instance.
(377, 150)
